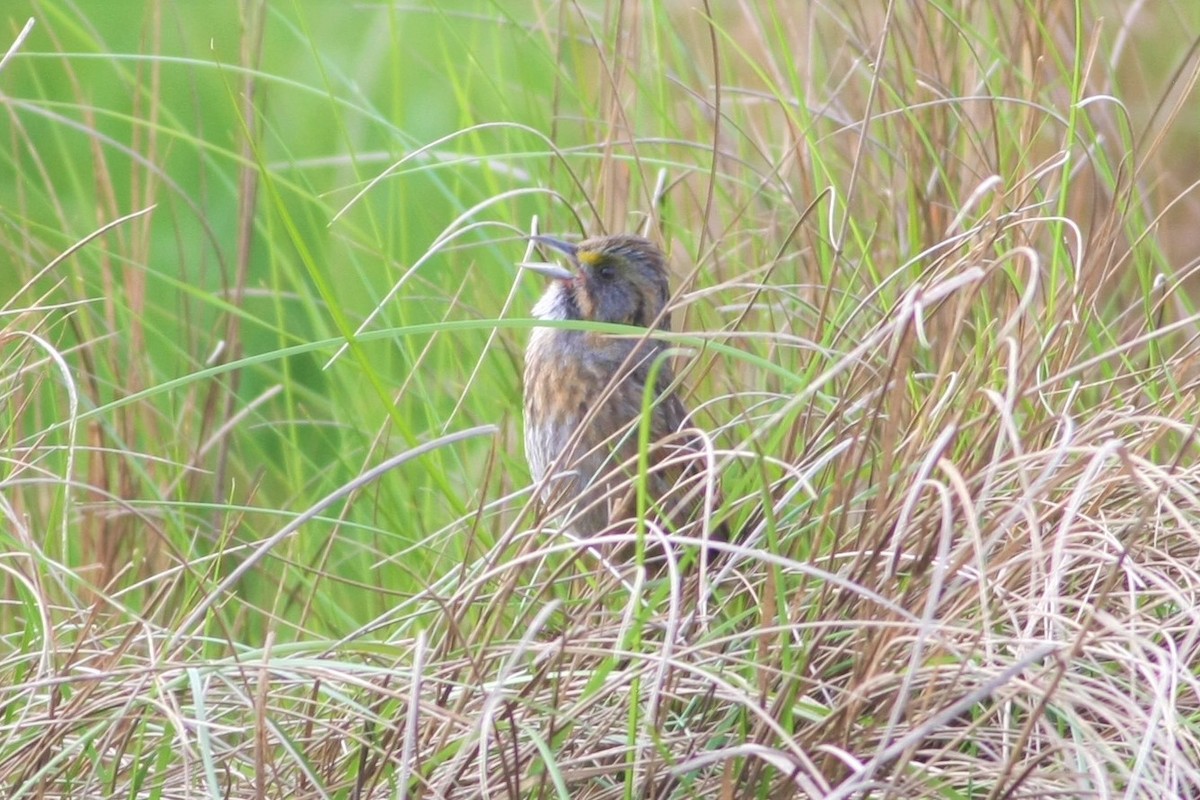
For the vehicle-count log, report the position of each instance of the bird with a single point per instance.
(585, 393)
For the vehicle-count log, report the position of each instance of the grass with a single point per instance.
(268, 526)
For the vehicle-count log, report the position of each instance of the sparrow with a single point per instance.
(586, 393)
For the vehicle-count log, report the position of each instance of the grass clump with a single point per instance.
(268, 528)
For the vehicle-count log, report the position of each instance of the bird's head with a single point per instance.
(620, 279)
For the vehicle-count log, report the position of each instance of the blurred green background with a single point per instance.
(112, 109)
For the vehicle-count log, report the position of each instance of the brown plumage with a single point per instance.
(585, 392)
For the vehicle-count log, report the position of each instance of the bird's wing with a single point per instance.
(668, 411)
(677, 463)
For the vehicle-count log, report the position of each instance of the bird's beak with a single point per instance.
(557, 244)
(555, 271)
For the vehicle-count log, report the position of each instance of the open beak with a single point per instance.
(555, 271)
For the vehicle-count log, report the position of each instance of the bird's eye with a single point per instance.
(606, 272)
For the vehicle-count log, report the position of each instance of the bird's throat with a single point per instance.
(557, 303)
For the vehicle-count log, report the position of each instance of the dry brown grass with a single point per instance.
(933, 314)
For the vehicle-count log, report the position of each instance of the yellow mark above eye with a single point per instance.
(588, 257)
